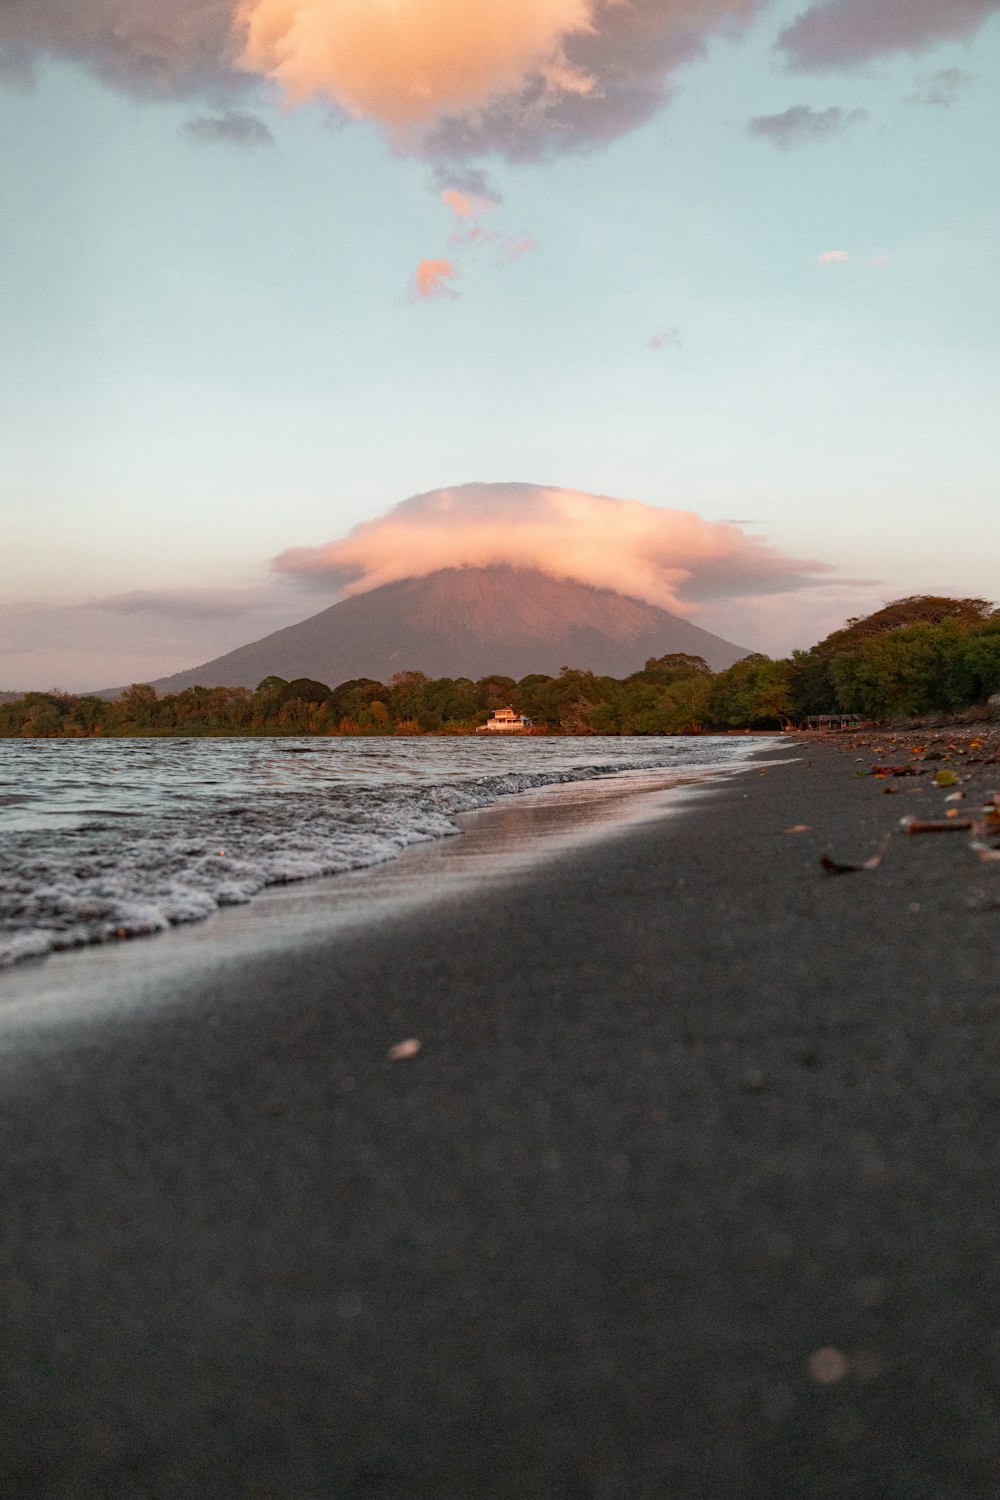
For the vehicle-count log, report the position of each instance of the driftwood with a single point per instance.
(935, 825)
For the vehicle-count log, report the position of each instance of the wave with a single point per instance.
(102, 881)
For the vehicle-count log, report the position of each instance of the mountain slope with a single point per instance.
(465, 622)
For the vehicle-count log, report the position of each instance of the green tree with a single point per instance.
(754, 693)
(899, 614)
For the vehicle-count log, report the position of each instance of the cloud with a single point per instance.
(472, 181)
(230, 129)
(466, 205)
(135, 636)
(513, 246)
(17, 69)
(523, 79)
(846, 33)
(412, 61)
(832, 258)
(628, 57)
(433, 278)
(184, 604)
(665, 338)
(468, 210)
(146, 48)
(801, 126)
(670, 557)
(447, 79)
(942, 88)
(469, 203)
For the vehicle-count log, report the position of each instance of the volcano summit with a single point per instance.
(465, 622)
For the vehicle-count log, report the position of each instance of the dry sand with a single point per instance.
(688, 1193)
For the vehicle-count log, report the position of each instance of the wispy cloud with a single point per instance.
(802, 126)
(469, 211)
(183, 604)
(513, 246)
(941, 89)
(231, 128)
(433, 278)
(472, 181)
(832, 258)
(463, 205)
(846, 33)
(135, 636)
(665, 338)
(671, 557)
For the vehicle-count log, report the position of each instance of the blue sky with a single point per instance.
(215, 352)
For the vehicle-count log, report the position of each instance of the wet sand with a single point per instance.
(689, 1191)
(499, 844)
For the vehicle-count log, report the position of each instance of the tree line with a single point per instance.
(917, 656)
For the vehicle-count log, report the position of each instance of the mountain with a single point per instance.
(465, 622)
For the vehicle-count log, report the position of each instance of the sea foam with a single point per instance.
(118, 839)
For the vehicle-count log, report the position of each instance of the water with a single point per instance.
(107, 839)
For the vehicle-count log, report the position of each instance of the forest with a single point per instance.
(925, 655)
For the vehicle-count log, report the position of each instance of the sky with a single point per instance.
(697, 298)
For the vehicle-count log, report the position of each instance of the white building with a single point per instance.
(505, 721)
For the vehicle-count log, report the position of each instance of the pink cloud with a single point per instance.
(468, 208)
(433, 278)
(468, 205)
(832, 258)
(508, 246)
(514, 246)
(673, 558)
(414, 61)
(665, 338)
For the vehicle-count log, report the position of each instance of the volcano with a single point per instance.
(465, 622)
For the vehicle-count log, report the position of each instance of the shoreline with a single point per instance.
(689, 1190)
(496, 842)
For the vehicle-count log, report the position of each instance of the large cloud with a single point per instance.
(521, 77)
(446, 78)
(405, 62)
(843, 33)
(621, 72)
(670, 557)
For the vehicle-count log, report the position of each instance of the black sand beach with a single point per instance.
(689, 1194)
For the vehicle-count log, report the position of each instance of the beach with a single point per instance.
(683, 1189)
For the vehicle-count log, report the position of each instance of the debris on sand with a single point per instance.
(910, 824)
(403, 1050)
(839, 867)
